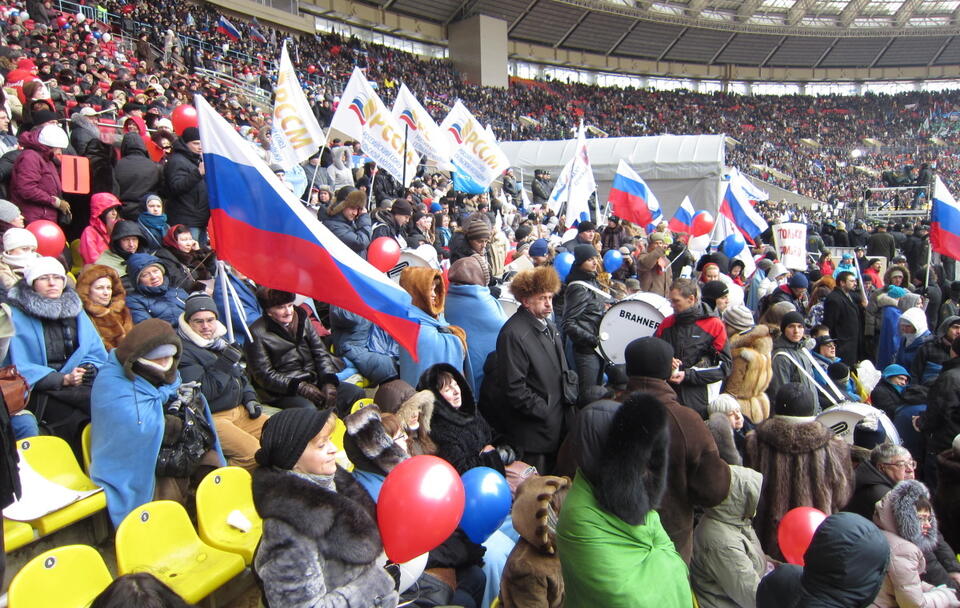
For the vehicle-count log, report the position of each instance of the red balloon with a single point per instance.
(420, 505)
(384, 253)
(183, 116)
(311, 69)
(702, 223)
(796, 530)
(50, 238)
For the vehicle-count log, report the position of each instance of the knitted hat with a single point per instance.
(847, 256)
(649, 357)
(908, 301)
(268, 298)
(41, 267)
(738, 317)
(798, 281)
(586, 226)
(18, 237)
(198, 302)
(435, 208)
(894, 370)
(190, 134)
(633, 284)
(477, 230)
(53, 136)
(401, 206)
(8, 211)
(522, 232)
(713, 290)
(838, 371)
(723, 404)
(539, 248)
(790, 318)
(582, 253)
(896, 292)
(795, 400)
(286, 434)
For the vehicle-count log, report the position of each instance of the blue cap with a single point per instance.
(798, 281)
(895, 370)
(894, 291)
(847, 256)
(435, 208)
(538, 248)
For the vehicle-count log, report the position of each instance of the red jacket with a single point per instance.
(35, 180)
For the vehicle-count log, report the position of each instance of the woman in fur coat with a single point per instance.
(104, 299)
(750, 376)
(320, 545)
(906, 517)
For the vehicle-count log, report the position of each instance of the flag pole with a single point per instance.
(406, 132)
(227, 313)
(316, 169)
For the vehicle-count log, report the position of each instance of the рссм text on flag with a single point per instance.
(575, 184)
(362, 116)
(267, 234)
(295, 127)
(474, 150)
(632, 199)
(944, 222)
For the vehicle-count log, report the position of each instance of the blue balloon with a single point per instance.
(584, 216)
(562, 264)
(487, 503)
(733, 244)
(98, 35)
(612, 261)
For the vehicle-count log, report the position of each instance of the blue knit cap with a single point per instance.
(895, 370)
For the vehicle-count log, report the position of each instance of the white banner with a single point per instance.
(363, 116)
(292, 115)
(791, 242)
(575, 184)
(474, 149)
(424, 134)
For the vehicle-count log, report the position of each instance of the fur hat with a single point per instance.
(649, 358)
(908, 301)
(722, 432)
(268, 298)
(354, 200)
(902, 503)
(586, 226)
(738, 317)
(286, 434)
(535, 281)
(795, 400)
(628, 467)
(43, 266)
(536, 510)
(145, 337)
(368, 445)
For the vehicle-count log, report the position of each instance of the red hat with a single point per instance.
(26, 64)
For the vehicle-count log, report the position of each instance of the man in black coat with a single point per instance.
(187, 203)
(881, 243)
(527, 399)
(843, 315)
(940, 423)
(541, 186)
(136, 175)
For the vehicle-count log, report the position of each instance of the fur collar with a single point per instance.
(368, 445)
(343, 523)
(67, 306)
(793, 438)
(757, 338)
(897, 513)
(422, 402)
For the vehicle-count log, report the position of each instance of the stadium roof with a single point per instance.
(763, 33)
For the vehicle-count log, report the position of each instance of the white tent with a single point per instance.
(674, 166)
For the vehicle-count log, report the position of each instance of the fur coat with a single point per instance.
(532, 575)
(803, 465)
(320, 548)
(113, 322)
(748, 381)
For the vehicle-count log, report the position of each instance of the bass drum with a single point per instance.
(636, 316)
(408, 259)
(507, 301)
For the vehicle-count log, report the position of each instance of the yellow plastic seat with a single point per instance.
(66, 577)
(17, 534)
(220, 493)
(52, 458)
(360, 404)
(158, 538)
(85, 448)
(76, 259)
(339, 430)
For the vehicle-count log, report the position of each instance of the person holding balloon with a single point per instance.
(309, 555)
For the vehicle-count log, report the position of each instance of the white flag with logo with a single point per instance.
(474, 149)
(293, 117)
(363, 116)
(424, 134)
(575, 184)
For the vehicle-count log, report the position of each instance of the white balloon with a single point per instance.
(107, 37)
(410, 571)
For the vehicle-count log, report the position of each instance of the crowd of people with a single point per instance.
(659, 479)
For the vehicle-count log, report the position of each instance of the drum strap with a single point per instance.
(605, 295)
(807, 375)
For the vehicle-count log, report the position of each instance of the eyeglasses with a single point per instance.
(903, 464)
(925, 518)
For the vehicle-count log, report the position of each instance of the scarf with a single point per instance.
(216, 343)
(21, 260)
(156, 224)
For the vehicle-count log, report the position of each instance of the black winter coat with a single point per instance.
(526, 401)
(541, 190)
(355, 234)
(940, 423)
(881, 243)
(870, 485)
(222, 382)
(582, 310)
(279, 362)
(845, 320)
(187, 191)
(887, 398)
(460, 433)
(858, 237)
(136, 175)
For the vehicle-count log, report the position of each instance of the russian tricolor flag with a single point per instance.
(266, 233)
(632, 199)
(226, 28)
(682, 220)
(945, 222)
(256, 35)
(737, 207)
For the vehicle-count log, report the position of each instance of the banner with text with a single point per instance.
(474, 149)
(292, 115)
(424, 134)
(791, 242)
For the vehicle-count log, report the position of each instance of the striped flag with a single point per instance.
(736, 207)
(945, 222)
(632, 199)
(227, 29)
(682, 220)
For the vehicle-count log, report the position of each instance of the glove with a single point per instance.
(254, 409)
(311, 392)
(507, 455)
